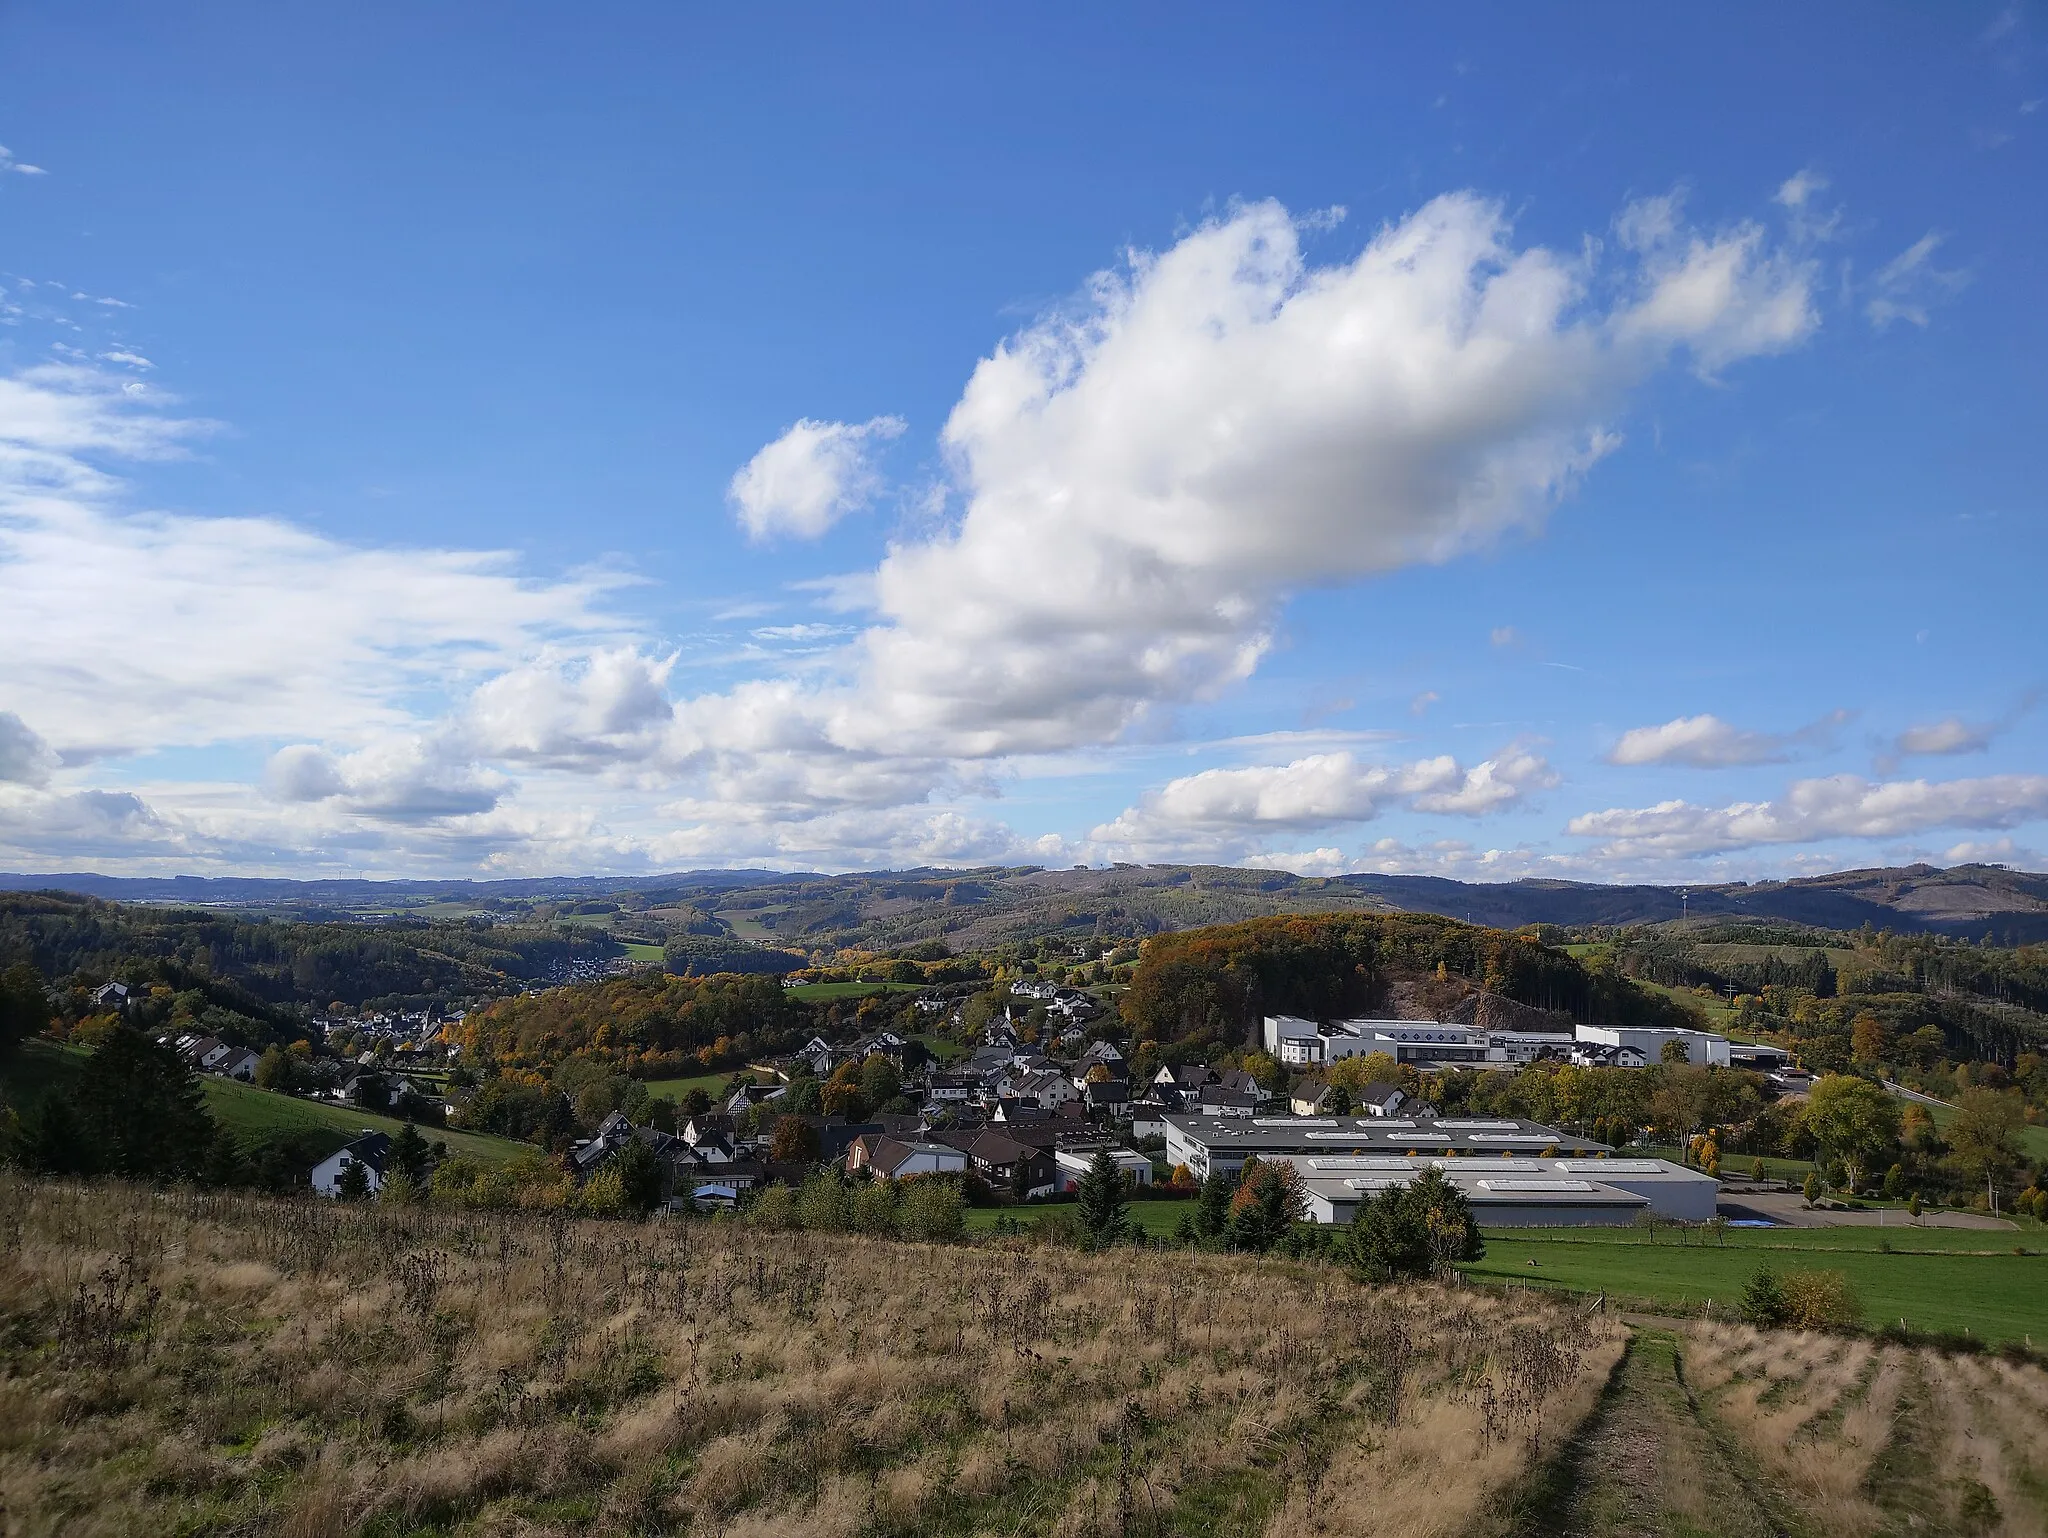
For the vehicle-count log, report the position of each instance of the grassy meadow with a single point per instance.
(258, 1116)
(1935, 1279)
(188, 1362)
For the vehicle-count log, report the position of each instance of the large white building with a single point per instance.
(1436, 1044)
(1701, 1047)
(1514, 1173)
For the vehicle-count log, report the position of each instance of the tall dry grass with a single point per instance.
(219, 1362)
(1866, 1438)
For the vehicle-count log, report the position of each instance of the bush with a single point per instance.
(1821, 1300)
(933, 1210)
(823, 1205)
(774, 1208)
(874, 1209)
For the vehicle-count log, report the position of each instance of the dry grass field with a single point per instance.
(189, 1362)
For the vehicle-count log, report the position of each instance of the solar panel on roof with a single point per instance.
(1612, 1166)
(1536, 1185)
(1493, 1126)
(1540, 1139)
(1290, 1121)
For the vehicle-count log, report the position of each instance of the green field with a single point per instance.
(2033, 1140)
(255, 1116)
(639, 951)
(1157, 1218)
(1950, 1279)
(812, 993)
(710, 1083)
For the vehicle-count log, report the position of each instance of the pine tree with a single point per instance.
(1101, 1212)
(409, 1154)
(640, 1176)
(142, 1110)
(1763, 1300)
(1212, 1207)
(353, 1184)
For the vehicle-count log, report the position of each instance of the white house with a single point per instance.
(370, 1151)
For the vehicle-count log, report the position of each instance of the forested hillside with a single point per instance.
(276, 962)
(1216, 984)
(645, 1025)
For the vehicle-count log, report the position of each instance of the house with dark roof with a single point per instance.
(890, 1159)
(371, 1150)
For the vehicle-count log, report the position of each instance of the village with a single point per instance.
(1023, 1125)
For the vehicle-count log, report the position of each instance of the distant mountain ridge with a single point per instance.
(972, 908)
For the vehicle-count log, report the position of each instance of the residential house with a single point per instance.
(1220, 1100)
(893, 1160)
(110, 996)
(371, 1150)
(1104, 1055)
(238, 1063)
(1046, 1088)
(1008, 1165)
(1381, 1099)
(1310, 1097)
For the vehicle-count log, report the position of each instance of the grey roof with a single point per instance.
(1496, 1135)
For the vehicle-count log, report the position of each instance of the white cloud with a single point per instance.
(25, 759)
(1906, 286)
(18, 167)
(126, 632)
(1147, 476)
(1142, 481)
(1229, 810)
(1726, 296)
(1708, 742)
(810, 477)
(1838, 806)
(1950, 735)
(402, 780)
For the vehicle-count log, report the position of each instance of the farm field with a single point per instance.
(1950, 1279)
(637, 950)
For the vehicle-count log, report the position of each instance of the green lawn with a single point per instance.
(639, 951)
(812, 993)
(710, 1083)
(1953, 1279)
(255, 1116)
(941, 1048)
(1154, 1217)
(2033, 1140)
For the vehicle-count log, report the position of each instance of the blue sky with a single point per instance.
(1499, 442)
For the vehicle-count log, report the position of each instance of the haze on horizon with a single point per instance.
(489, 442)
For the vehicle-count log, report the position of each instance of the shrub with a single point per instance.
(1821, 1300)
(604, 1194)
(874, 1209)
(933, 1209)
(774, 1208)
(823, 1205)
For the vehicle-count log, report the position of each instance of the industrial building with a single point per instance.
(1430, 1044)
(1514, 1173)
